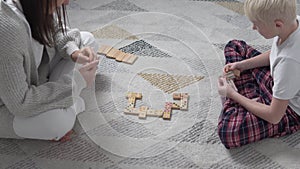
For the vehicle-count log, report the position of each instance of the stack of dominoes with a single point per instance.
(117, 54)
(230, 75)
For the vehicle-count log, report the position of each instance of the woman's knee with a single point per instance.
(53, 124)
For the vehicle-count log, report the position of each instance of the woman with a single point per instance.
(39, 91)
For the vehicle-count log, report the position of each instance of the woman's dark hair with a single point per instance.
(41, 21)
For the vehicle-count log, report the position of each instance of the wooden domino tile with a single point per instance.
(232, 75)
(177, 96)
(131, 102)
(104, 49)
(119, 56)
(167, 115)
(184, 95)
(237, 73)
(129, 58)
(126, 57)
(143, 112)
(176, 105)
(184, 104)
(231, 83)
(132, 111)
(132, 98)
(155, 113)
(135, 95)
(167, 111)
(229, 75)
(112, 53)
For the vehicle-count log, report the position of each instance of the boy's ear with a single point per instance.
(278, 23)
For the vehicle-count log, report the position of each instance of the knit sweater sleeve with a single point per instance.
(68, 42)
(16, 91)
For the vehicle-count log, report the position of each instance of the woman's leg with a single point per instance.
(237, 126)
(50, 125)
(54, 124)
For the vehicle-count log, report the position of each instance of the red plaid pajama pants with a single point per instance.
(237, 126)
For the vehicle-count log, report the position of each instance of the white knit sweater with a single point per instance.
(20, 92)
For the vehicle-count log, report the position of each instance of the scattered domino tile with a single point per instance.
(176, 105)
(132, 111)
(183, 103)
(143, 112)
(132, 98)
(131, 102)
(136, 95)
(155, 113)
(167, 111)
(138, 111)
(184, 95)
(117, 54)
(176, 96)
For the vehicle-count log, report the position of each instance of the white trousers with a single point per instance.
(54, 124)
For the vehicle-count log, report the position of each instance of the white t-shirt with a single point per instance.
(285, 69)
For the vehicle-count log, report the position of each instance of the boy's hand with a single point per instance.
(224, 88)
(233, 66)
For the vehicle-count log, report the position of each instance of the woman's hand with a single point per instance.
(88, 72)
(84, 55)
(224, 88)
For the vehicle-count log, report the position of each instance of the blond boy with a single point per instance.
(267, 103)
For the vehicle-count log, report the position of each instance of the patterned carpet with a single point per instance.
(179, 46)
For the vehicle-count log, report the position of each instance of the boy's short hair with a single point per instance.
(269, 10)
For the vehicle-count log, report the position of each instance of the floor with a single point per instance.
(179, 44)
